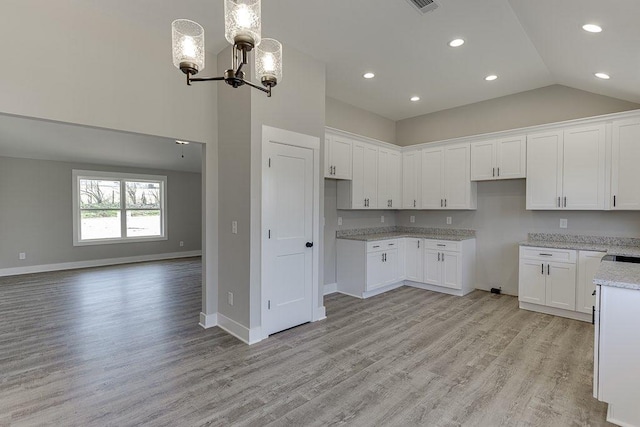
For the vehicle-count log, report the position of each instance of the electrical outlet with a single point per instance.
(22, 255)
(339, 220)
(230, 298)
(564, 223)
(448, 220)
(412, 219)
(181, 243)
(382, 219)
(234, 227)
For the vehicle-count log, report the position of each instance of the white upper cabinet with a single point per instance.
(337, 157)
(411, 180)
(362, 191)
(499, 159)
(625, 168)
(566, 169)
(389, 179)
(446, 182)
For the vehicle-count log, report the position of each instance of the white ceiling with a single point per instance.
(39, 139)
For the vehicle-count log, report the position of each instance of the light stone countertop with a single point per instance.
(578, 246)
(399, 235)
(618, 274)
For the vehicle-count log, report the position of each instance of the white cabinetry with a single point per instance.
(411, 179)
(566, 169)
(445, 178)
(365, 269)
(499, 159)
(625, 170)
(337, 157)
(389, 178)
(414, 250)
(362, 191)
(588, 263)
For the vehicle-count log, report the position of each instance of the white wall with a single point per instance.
(36, 214)
(535, 107)
(361, 122)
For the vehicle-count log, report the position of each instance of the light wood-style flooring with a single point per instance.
(120, 346)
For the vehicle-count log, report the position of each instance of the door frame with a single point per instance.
(295, 139)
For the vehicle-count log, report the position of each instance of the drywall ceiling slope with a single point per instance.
(45, 140)
(409, 51)
(573, 55)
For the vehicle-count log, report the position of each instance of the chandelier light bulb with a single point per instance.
(243, 16)
(242, 22)
(269, 62)
(188, 45)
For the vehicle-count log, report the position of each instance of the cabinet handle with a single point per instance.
(392, 244)
(414, 203)
(593, 315)
(445, 203)
(334, 170)
(438, 256)
(542, 268)
(376, 246)
(498, 171)
(391, 203)
(565, 201)
(441, 203)
(614, 201)
(559, 205)
(385, 257)
(442, 257)
(593, 294)
(494, 172)
(419, 246)
(441, 245)
(545, 254)
(548, 270)
(382, 257)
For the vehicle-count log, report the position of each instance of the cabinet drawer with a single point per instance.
(381, 245)
(443, 245)
(545, 254)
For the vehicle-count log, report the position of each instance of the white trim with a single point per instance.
(360, 138)
(208, 320)
(43, 268)
(330, 288)
(434, 288)
(584, 317)
(78, 174)
(244, 334)
(382, 290)
(320, 313)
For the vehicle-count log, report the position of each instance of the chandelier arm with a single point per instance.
(267, 91)
(205, 79)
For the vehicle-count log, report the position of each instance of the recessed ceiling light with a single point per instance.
(182, 142)
(456, 43)
(592, 28)
(491, 78)
(415, 98)
(603, 76)
(369, 75)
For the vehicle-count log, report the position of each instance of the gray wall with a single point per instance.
(535, 107)
(501, 222)
(36, 214)
(361, 122)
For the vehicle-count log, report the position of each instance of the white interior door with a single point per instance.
(288, 214)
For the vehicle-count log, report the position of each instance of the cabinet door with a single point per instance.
(561, 285)
(451, 270)
(531, 282)
(340, 154)
(511, 157)
(395, 179)
(390, 267)
(413, 259)
(432, 178)
(544, 170)
(457, 182)
(625, 173)
(328, 166)
(384, 179)
(411, 180)
(583, 180)
(483, 158)
(371, 176)
(359, 177)
(432, 267)
(375, 270)
(588, 263)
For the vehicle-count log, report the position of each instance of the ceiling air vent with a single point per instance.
(424, 6)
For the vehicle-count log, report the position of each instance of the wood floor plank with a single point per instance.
(121, 346)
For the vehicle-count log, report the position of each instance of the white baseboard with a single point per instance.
(14, 271)
(382, 290)
(208, 320)
(330, 288)
(584, 317)
(440, 289)
(244, 334)
(320, 313)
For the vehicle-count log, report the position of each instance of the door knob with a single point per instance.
(309, 244)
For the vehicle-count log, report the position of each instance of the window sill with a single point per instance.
(119, 241)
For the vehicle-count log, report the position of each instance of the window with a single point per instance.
(116, 208)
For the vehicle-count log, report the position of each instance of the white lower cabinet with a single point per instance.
(558, 281)
(366, 269)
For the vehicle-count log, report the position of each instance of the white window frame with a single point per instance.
(122, 177)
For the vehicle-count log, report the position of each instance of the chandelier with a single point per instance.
(243, 28)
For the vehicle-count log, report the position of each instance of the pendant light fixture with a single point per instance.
(243, 29)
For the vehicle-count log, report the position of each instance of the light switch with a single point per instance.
(412, 219)
(382, 219)
(22, 255)
(339, 220)
(448, 220)
(234, 227)
(563, 223)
